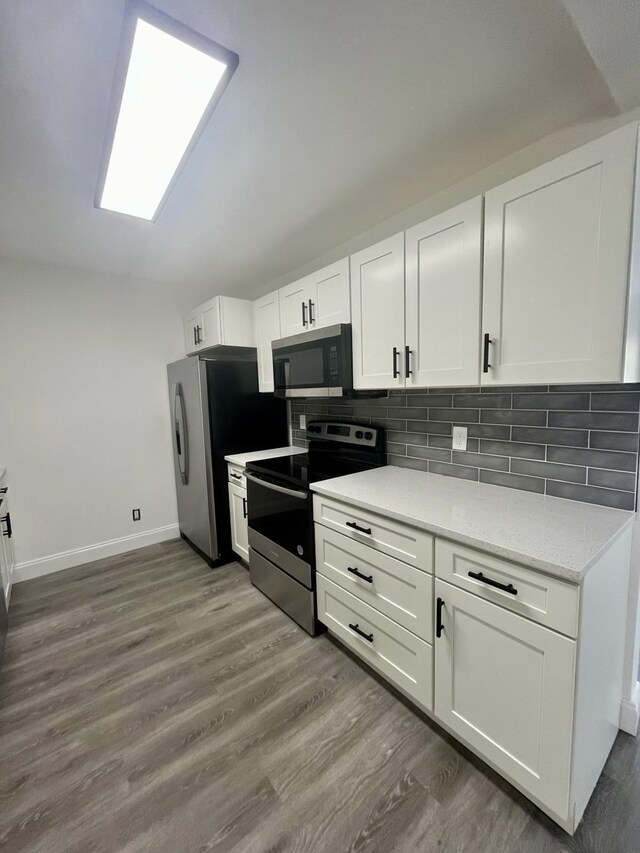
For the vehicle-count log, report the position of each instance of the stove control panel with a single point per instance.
(362, 434)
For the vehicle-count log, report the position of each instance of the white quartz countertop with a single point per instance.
(255, 455)
(553, 535)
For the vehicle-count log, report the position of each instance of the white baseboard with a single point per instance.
(76, 557)
(630, 712)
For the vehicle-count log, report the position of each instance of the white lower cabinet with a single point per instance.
(239, 527)
(505, 685)
(7, 554)
(401, 592)
(394, 652)
(523, 667)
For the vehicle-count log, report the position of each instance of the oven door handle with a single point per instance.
(293, 493)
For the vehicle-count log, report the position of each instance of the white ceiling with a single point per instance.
(341, 114)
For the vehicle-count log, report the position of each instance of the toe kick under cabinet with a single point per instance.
(523, 667)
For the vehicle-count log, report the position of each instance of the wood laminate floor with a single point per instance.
(148, 703)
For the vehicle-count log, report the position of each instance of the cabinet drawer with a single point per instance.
(236, 475)
(399, 591)
(394, 652)
(405, 543)
(544, 599)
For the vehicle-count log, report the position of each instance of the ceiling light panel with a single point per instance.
(172, 81)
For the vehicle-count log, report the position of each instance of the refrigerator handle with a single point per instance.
(182, 449)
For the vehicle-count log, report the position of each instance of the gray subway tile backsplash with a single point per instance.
(551, 401)
(578, 442)
(543, 435)
(604, 497)
(593, 458)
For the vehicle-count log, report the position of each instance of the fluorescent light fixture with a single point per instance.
(168, 82)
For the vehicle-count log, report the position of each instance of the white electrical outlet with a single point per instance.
(303, 421)
(459, 438)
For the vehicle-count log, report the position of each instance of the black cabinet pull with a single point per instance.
(244, 507)
(505, 587)
(4, 490)
(7, 520)
(356, 628)
(312, 319)
(367, 578)
(439, 625)
(195, 336)
(407, 362)
(357, 527)
(485, 356)
(199, 334)
(396, 370)
(304, 314)
(237, 476)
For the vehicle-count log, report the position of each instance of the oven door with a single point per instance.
(281, 526)
(314, 364)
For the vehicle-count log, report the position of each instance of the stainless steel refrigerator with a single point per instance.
(216, 410)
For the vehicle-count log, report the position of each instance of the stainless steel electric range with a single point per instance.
(280, 511)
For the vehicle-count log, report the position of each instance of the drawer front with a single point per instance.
(544, 599)
(394, 538)
(398, 655)
(401, 592)
(236, 475)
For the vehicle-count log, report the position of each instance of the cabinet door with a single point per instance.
(556, 256)
(266, 327)
(377, 307)
(210, 334)
(7, 553)
(443, 297)
(193, 332)
(506, 686)
(294, 308)
(329, 294)
(239, 530)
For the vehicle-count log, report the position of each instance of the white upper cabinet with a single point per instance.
(556, 268)
(222, 321)
(377, 305)
(443, 298)
(328, 290)
(317, 300)
(294, 311)
(266, 328)
(192, 331)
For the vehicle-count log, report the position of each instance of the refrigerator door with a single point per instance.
(192, 454)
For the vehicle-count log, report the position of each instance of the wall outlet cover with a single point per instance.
(136, 514)
(459, 438)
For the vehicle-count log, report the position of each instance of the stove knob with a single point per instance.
(368, 436)
(358, 433)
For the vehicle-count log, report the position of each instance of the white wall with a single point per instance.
(84, 418)
(470, 184)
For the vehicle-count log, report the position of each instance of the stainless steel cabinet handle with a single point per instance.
(312, 319)
(407, 362)
(304, 314)
(195, 336)
(199, 330)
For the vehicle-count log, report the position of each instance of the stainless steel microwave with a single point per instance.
(314, 364)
